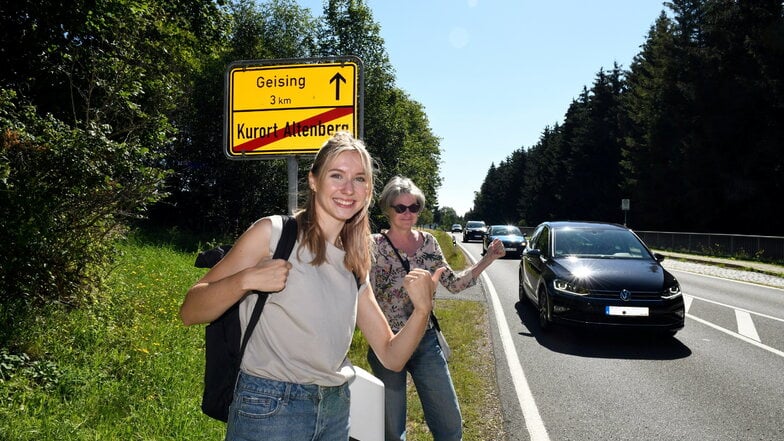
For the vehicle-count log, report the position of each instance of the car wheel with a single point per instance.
(544, 310)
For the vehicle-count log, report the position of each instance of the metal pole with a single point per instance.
(293, 166)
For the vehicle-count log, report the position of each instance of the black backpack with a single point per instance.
(223, 352)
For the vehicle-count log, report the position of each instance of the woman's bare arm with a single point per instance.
(394, 350)
(246, 267)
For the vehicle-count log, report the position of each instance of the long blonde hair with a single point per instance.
(355, 235)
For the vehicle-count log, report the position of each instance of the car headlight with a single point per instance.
(672, 292)
(570, 287)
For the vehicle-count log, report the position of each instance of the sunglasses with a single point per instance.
(413, 208)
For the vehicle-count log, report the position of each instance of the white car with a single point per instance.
(457, 228)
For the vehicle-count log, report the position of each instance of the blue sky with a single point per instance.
(492, 74)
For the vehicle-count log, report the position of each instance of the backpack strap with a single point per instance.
(282, 251)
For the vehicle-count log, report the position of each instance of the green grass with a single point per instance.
(124, 367)
(472, 365)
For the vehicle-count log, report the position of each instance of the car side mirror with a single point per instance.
(659, 257)
(533, 253)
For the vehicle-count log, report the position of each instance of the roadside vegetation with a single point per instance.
(124, 367)
(111, 115)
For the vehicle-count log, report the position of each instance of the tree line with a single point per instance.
(111, 117)
(692, 133)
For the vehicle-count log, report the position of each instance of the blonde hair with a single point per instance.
(355, 235)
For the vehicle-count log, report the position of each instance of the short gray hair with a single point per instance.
(395, 187)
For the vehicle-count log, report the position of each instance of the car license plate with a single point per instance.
(627, 310)
(510, 249)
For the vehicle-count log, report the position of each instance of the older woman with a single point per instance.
(397, 252)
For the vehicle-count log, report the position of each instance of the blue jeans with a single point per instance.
(430, 373)
(272, 410)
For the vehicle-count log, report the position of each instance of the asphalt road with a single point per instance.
(720, 378)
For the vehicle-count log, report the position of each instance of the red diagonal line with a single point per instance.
(279, 134)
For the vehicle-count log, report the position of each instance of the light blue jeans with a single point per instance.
(272, 410)
(430, 373)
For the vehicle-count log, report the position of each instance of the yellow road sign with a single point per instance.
(290, 108)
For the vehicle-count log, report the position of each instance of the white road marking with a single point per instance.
(736, 308)
(738, 336)
(746, 325)
(746, 329)
(687, 303)
(533, 420)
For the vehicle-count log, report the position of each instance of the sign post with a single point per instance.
(625, 208)
(287, 108)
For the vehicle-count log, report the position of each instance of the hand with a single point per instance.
(269, 275)
(495, 250)
(421, 287)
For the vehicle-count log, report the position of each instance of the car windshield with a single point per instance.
(602, 243)
(505, 231)
(475, 225)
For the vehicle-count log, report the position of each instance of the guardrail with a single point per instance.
(759, 248)
(740, 246)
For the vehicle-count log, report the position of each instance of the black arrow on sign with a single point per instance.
(337, 78)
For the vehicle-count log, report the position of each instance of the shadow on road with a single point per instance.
(601, 343)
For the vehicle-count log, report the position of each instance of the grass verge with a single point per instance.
(124, 367)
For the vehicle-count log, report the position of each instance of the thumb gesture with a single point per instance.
(437, 276)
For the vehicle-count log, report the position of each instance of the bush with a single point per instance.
(65, 197)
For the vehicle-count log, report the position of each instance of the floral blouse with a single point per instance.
(387, 274)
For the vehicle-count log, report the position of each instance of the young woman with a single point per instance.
(294, 374)
(402, 202)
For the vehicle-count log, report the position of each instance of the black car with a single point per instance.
(590, 273)
(513, 239)
(474, 230)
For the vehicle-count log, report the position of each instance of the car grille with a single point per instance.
(636, 295)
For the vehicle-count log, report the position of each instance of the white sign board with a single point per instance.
(367, 407)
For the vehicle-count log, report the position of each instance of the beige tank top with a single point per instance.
(305, 330)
